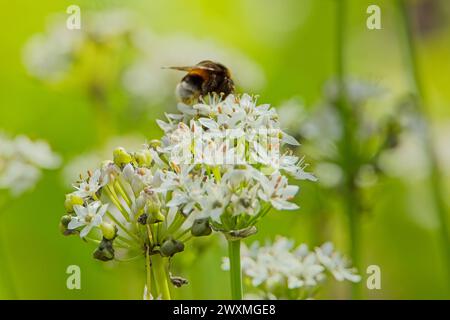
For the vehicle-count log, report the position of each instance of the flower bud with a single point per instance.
(72, 200)
(154, 143)
(170, 247)
(65, 220)
(154, 212)
(63, 225)
(109, 230)
(143, 158)
(121, 157)
(105, 250)
(201, 227)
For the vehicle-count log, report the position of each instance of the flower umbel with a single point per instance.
(279, 270)
(149, 203)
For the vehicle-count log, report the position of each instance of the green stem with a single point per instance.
(148, 267)
(347, 149)
(116, 201)
(123, 193)
(234, 254)
(121, 226)
(176, 224)
(430, 150)
(161, 276)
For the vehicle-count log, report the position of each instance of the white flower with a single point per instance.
(37, 152)
(336, 263)
(215, 200)
(89, 187)
(282, 269)
(187, 194)
(18, 176)
(49, 56)
(21, 161)
(88, 217)
(277, 191)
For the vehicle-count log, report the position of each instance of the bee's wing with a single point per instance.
(190, 68)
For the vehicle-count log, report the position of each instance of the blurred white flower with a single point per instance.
(21, 162)
(36, 152)
(281, 270)
(292, 115)
(18, 177)
(108, 24)
(146, 79)
(49, 56)
(358, 91)
(334, 262)
(329, 174)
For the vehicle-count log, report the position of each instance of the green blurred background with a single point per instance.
(293, 42)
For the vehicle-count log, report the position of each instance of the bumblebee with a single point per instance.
(204, 78)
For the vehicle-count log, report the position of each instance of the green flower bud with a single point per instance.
(154, 143)
(65, 220)
(143, 158)
(201, 227)
(72, 200)
(105, 250)
(170, 247)
(109, 230)
(63, 226)
(154, 212)
(121, 157)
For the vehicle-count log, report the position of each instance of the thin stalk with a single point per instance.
(121, 226)
(116, 201)
(234, 254)
(176, 224)
(348, 153)
(161, 276)
(118, 186)
(186, 239)
(430, 150)
(148, 267)
(181, 234)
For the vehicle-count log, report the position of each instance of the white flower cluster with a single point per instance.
(279, 270)
(21, 162)
(374, 130)
(49, 56)
(123, 201)
(152, 188)
(232, 169)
